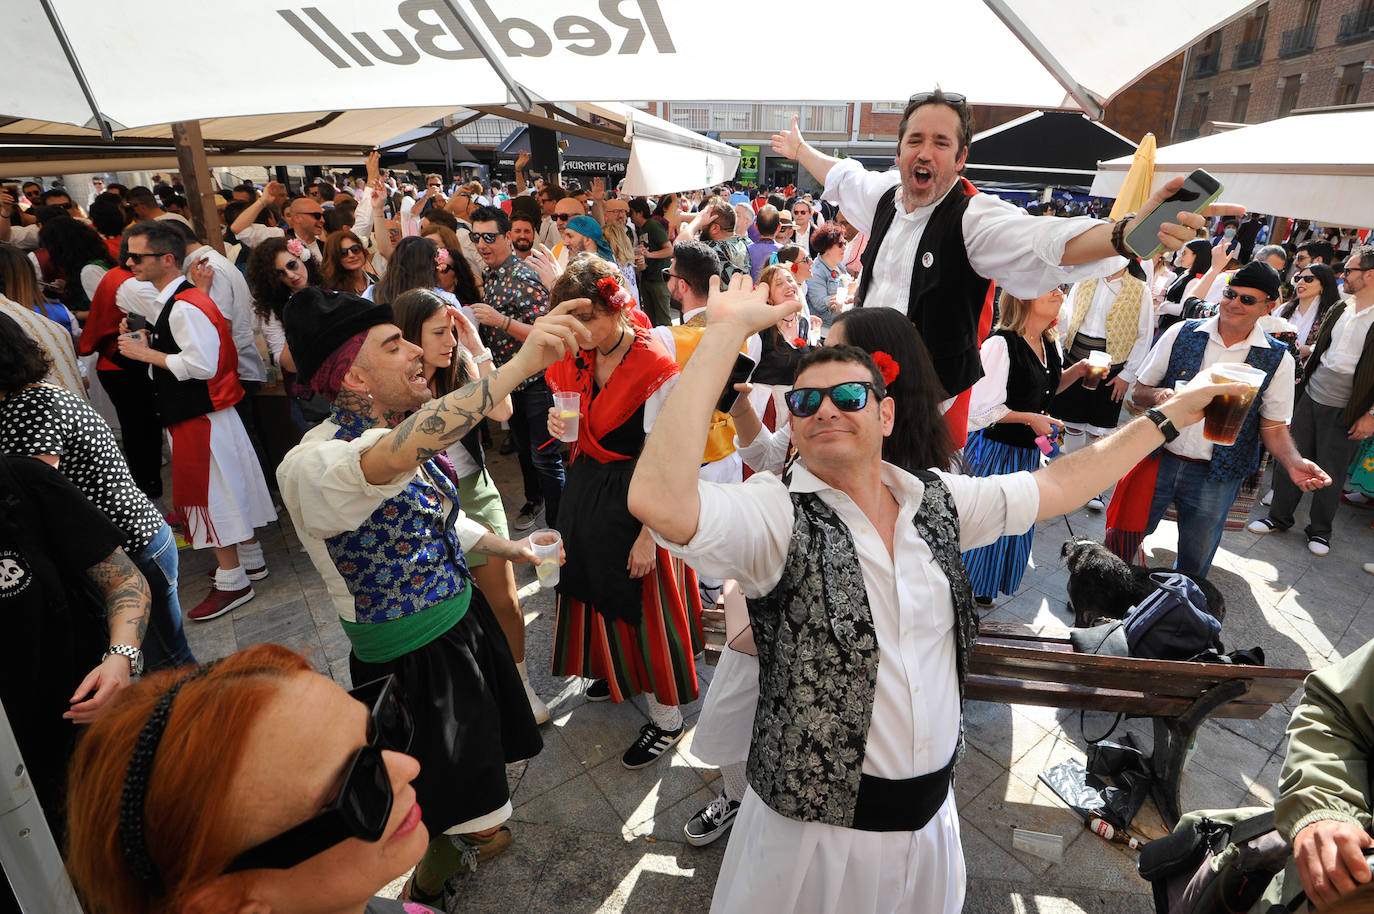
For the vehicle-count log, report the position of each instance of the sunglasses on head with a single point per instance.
(920, 98)
(363, 804)
(487, 237)
(291, 267)
(849, 397)
(351, 250)
(1246, 300)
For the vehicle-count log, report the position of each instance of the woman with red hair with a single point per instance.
(252, 783)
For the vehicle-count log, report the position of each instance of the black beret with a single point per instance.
(1257, 275)
(318, 322)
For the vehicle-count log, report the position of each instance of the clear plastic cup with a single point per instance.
(567, 407)
(1223, 418)
(545, 544)
(1099, 363)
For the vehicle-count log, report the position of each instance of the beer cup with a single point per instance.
(1099, 363)
(545, 544)
(1223, 417)
(567, 407)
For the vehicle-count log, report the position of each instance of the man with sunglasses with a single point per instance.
(1199, 478)
(937, 246)
(1335, 408)
(862, 614)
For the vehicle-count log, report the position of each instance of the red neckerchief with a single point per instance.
(644, 370)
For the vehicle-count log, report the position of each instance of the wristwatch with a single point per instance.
(1163, 423)
(126, 650)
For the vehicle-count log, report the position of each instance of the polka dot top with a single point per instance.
(44, 419)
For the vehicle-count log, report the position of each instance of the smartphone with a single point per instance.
(744, 367)
(1198, 192)
(136, 322)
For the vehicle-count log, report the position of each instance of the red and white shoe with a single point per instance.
(219, 602)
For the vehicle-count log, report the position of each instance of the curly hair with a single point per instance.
(269, 292)
(22, 361)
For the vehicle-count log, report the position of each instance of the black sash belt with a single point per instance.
(905, 805)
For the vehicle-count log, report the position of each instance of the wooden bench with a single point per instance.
(1013, 663)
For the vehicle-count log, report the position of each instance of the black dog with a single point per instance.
(1102, 587)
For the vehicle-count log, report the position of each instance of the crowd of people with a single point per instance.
(837, 415)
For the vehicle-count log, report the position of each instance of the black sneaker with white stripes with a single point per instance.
(652, 743)
(711, 822)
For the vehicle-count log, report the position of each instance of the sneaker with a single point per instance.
(219, 602)
(1262, 526)
(1369, 567)
(652, 743)
(1358, 499)
(1318, 545)
(1268, 498)
(254, 574)
(1096, 504)
(539, 709)
(711, 822)
(600, 690)
(528, 516)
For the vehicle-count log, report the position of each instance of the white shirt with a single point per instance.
(229, 291)
(1020, 253)
(1303, 322)
(24, 237)
(1347, 339)
(198, 359)
(744, 532)
(1276, 405)
(1095, 321)
(988, 402)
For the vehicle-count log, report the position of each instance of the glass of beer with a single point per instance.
(1224, 416)
(567, 408)
(1099, 363)
(546, 544)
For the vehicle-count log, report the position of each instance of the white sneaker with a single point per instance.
(541, 710)
(1262, 526)
(1369, 567)
(1268, 498)
(1096, 504)
(1317, 545)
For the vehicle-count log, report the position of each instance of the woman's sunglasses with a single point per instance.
(363, 805)
(1305, 277)
(849, 397)
(351, 250)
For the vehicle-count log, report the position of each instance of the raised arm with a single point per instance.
(441, 422)
(1096, 242)
(251, 211)
(792, 144)
(663, 491)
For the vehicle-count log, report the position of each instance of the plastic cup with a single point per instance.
(545, 544)
(1223, 417)
(1099, 363)
(568, 409)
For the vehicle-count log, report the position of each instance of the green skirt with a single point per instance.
(482, 502)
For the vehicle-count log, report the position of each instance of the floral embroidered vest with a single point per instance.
(818, 658)
(405, 557)
(1123, 315)
(1185, 360)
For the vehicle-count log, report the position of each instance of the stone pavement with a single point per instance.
(593, 837)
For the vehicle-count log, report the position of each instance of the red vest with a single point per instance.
(180, 400)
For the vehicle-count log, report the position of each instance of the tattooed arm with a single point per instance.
(127, 603)
(442, 421)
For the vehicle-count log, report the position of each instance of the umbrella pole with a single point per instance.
(196, 177)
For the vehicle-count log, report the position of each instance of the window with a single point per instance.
(1242, 105)
(1288, 100)
(1213, 41)
(896, 107)
(1200, 105)
(1348, 91)
(1254, 25)
(1308, 19)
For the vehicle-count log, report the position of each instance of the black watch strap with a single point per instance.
(1163, 423)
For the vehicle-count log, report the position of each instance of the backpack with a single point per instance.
(1215, 862)
(1170, 624)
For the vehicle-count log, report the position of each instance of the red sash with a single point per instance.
(643, 371)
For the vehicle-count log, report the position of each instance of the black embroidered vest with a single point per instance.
(947, 297)
(818, 658)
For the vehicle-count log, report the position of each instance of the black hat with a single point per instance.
(1257, 275)
(318, 322)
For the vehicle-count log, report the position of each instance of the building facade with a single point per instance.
(1283, 56)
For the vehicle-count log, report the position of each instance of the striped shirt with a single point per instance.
(54, 340)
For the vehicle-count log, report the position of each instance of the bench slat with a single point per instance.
(1269, 690)
(1089, 698)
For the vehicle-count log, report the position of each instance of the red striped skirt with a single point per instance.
(658, 656)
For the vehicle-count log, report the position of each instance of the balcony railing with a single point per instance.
(1356, 26)
(1299, 41)
(1207, 64)
(1248, 53)
(744, 117)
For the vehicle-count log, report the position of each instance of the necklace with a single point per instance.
(620, 339)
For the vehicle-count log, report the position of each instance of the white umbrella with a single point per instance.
(1308, 166)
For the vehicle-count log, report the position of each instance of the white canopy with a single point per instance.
(363, 54)
(1308, 166)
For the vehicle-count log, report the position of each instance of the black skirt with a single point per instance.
(471, 716)
(1081, 406)
(598, 531)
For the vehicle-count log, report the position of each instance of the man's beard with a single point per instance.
(522, 245)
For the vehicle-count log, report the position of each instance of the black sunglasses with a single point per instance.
(351, 250)
(138, 258)
(920, 98)
(1305, 277)
(849, 397)
(562, 217)
(1246, 300)
(488, 237)
(316, 215)
(363, 805)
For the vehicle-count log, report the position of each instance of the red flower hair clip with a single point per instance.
(887, 366)
(617, 298)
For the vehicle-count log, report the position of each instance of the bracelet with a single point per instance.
(506, 328)
(1119, 237)
(484, 357)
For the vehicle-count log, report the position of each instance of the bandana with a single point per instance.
(328, 378)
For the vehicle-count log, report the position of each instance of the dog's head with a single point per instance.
(1079, 549)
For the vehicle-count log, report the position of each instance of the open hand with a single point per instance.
(1307, 476)
(1119, 386)
(789, 142)
(554, 335)
(465, 331)
(745, 307)
(1330, 859)
(543, 262)
(101, 684)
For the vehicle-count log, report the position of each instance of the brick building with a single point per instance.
(1283, 56)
